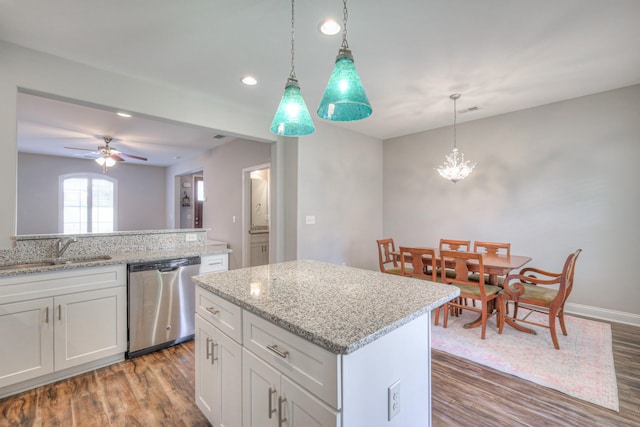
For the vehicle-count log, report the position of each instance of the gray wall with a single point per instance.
(549, 180)
(223, 189)
(141, 193)
(340, 183)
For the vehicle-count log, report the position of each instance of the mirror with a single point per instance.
(260, 199)
(57, 136)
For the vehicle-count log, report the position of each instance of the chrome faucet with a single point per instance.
(63, 244)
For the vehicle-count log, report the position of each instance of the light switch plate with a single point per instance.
(310, 219)
(191, 237)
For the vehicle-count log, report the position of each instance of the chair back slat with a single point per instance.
(492, 248)
(455, 245)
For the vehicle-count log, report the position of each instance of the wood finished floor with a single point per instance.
(157, 390)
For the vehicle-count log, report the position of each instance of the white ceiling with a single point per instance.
(501, 55)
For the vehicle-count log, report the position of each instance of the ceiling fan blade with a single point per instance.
(134, 157)
(75, 148)
(116, 157)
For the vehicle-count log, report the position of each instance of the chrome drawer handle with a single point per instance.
(213, 352)
(272, 410)
(209, 352)
(281, 418)
(213, 311)
(276, 350)
(215, 263)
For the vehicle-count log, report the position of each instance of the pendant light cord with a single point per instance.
(455, 100)
(292, 75)
(345, 14)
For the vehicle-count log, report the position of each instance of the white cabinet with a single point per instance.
(277, 374)
(89, 326)
(26, 334)
(272, 399)
(287, 380)
(259, 249)
(213, 263)
(51, 323)
(313, 367)
(218, 375)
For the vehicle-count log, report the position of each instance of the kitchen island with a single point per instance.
(314, 344)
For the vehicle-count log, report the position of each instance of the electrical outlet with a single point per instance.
(393, 393)
(192, 237)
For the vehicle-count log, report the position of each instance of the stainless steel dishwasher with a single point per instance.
(161, 304)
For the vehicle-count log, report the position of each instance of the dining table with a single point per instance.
(495, 265)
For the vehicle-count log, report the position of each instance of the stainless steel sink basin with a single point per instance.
(49, 262)
(79, 260)
(27, 265)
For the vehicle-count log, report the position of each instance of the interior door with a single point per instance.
(198, 182)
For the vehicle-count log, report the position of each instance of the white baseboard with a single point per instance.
(603, 314)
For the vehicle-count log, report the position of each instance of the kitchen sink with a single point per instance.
(50, 262)
(26, 265)
(78, 260)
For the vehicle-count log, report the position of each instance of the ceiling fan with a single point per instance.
(107, 156)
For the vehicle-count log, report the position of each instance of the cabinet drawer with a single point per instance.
(213, 263)
(224, 315)
(312, 367)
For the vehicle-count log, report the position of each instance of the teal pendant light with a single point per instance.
(344, 99)
(292, 117)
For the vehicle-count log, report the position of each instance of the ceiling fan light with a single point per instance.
(344, 99)
(100, 161)
(109, 162)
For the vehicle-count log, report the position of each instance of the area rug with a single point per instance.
(582, 368)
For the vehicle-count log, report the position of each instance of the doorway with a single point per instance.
(191, 199)
(256, 215)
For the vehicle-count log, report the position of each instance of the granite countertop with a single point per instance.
(339, 308)
(119, 258)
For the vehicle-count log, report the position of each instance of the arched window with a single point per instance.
(87, 203)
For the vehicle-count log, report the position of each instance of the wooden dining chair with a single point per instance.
(420, 263)
(477, 291)
(454, 245)
(490, 248)
(534, 290)
(388, 262)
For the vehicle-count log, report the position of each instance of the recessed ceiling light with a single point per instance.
(121, 114)
(329, 27)
(249, 80)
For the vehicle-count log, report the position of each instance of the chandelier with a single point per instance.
(455, 167)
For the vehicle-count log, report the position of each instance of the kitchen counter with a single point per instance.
(336, 307)
(116, 258)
